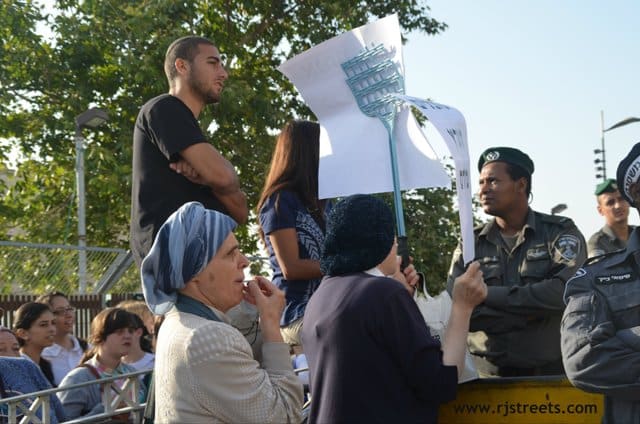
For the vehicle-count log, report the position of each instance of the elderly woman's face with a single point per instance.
(221, 281)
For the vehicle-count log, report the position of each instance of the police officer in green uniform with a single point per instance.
(601, 324)
(615, 209)
(526, 257)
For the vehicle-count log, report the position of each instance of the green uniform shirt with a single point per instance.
(518, 325)
(605, 241)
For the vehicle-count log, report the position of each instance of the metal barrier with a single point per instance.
(28, 268)
(112, 397)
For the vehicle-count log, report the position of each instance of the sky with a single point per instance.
(535, 75)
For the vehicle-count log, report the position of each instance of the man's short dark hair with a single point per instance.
(48, 297)
(516, 172)
(183, 48)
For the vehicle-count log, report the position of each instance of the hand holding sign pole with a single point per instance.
(374, 80)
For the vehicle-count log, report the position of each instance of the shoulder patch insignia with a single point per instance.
(580, 273)
(568, 247)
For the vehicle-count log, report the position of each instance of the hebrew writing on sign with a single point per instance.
(453, 128)
(355, 155)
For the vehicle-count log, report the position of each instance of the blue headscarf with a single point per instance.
(183, 247)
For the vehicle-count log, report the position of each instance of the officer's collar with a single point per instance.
(493, 226)
(608, 231)
(632, 249)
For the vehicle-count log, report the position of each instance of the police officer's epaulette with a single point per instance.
(594, 259)
(598, 258)
(563, 221)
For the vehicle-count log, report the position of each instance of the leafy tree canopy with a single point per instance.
(56, 63)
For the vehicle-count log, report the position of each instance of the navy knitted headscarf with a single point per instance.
(359, 236)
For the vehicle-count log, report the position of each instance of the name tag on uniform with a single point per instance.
(617, 278)
(489, 261)
(537, 253)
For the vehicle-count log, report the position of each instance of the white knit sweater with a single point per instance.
(205, 372)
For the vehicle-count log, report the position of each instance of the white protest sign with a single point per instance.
(453, 128)
(354, 148)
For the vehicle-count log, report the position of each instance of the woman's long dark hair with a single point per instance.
(294, 167)
(107, 322)
(26, 315)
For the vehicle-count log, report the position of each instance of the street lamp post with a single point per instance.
(91, 118)
(601, 161)
(558, 208)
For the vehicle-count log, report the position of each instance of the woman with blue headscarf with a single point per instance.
(205, 370)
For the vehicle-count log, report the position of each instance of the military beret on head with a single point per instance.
(607, 186)
(628, 174)
(508, 155)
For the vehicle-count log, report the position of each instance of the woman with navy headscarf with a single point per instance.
(205, 370)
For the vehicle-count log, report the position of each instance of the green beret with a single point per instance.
(607, 186)
(508, 155)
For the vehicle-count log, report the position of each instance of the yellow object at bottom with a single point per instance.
(515, 400)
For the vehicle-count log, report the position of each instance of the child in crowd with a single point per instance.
(111, 338)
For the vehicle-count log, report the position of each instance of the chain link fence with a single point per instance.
(30, 268)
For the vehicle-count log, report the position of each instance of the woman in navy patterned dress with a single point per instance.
(292, 221)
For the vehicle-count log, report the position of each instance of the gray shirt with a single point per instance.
(605, 241)
(600, 333)
(86, 401)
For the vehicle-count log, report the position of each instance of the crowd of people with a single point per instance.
(537, 299)
(42, 352)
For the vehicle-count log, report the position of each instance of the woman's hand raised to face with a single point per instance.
(270, 301)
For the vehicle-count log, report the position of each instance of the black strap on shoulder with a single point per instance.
(83, 344)
(92, 370)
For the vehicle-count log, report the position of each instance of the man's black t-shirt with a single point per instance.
(165, 126)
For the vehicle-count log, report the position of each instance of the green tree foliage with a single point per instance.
(56, 63)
